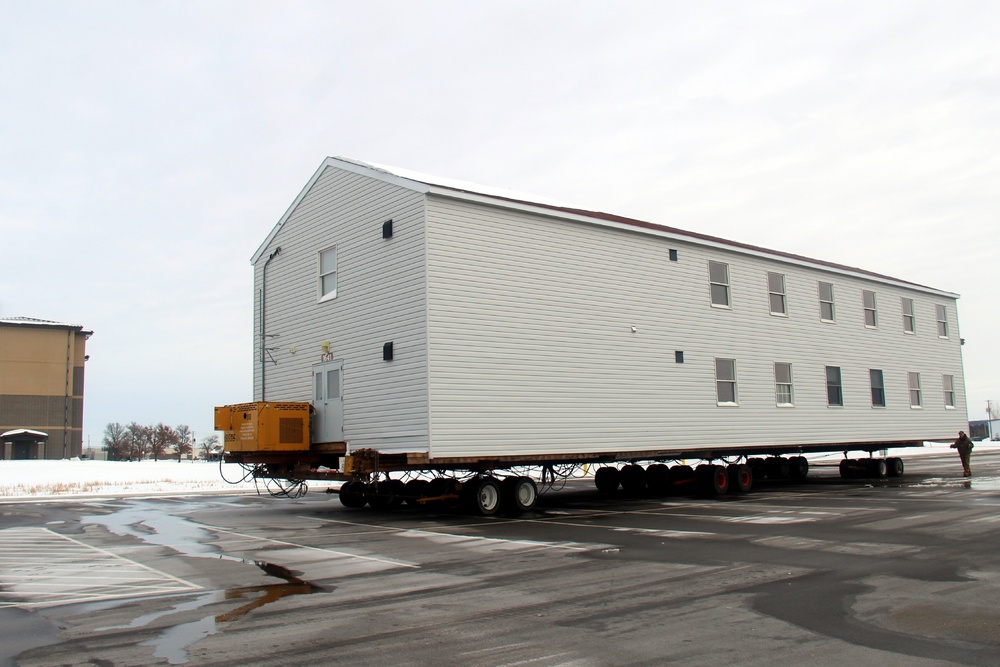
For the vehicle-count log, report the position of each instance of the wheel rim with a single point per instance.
(488, 496)
(525, 493)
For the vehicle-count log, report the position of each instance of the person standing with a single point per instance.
(964, 446)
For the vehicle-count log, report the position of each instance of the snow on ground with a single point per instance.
(46, 479)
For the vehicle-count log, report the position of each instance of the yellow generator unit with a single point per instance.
(264, 427)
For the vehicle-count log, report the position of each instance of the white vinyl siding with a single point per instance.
(826, 308)
(718, 277)
(913, 381)
(776, 293)
(869, 305)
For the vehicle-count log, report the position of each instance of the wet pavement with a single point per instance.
(896, 572)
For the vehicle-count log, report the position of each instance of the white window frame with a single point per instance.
(839, 386)
(777, 294)
(909, 318)
(948, 385)
(328, 273)
(784, 390)
(941, 313)
(830, 302)
(913, 383)
(871, 309)
(881, 388)
(720, 381)
(713, 284)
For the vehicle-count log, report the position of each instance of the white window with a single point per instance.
(909, 323)
(878, 387)
(942, 321)
(328, 274)
(871, 315)
(725, 381)
(834, 388)
(776, 293)
(914, 382)
(948, 383)
(718, 277)
(783, 383)
(826, 312)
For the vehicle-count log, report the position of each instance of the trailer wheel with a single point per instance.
(398, 492)
(740, 477)
(877, 468)
(379, 494)
(518, 494)
(633, 478)
(714, 480)
(416, 490)
(658, 479)
(850, 469)
(483, 495)
(776, 467)
(352, 495)
(682, 477)
(799, 467)
(607, 479)
(895, 465)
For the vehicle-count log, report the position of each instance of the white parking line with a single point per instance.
(42, 568)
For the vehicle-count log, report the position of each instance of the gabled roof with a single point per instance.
(436, 185)
(33, 322)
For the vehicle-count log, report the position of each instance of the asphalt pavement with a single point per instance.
(903, 571)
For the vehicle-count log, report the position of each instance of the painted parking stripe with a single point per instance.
(41, 568)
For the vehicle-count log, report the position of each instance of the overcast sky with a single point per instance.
(147, 148)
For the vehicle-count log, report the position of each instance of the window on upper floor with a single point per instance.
(826, 312)
(328, 274)
(718, 278)
(948, 384)
(913, 380)
(776, 293)
(725, 381)
(909, 321)
(942, 321)
(834, 387)
(783, 383)
(878, 387)
(871, 314)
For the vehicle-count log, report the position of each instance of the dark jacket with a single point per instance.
(963, 444)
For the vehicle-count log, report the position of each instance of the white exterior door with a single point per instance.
(328, 399)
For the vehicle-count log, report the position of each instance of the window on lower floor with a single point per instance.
(878, 387)
(725, 381)
(913, 380)
(718, 278)
(948, 383)
(783, 383)
(826, 312)
(834, 387)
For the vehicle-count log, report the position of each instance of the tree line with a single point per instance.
(135, 442)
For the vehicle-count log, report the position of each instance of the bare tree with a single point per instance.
(115, 441)
(162, 438)
(138, 441)
(993, 409)
(208, 444)
(185, 441)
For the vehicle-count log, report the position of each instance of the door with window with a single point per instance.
(328, 400)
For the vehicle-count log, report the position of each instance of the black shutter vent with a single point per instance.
(673, 255)
(679, 356)
(387, 229)
(387, 352)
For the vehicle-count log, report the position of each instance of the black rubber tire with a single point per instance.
(777, 467)
(398, 492)
(740, 477)
(713, 479)
(877, 468)
(352, 495)
(518, 494)
(682, 479)
(379, 494)
(607, 479)
(633, 479)
(658, 479)
(798, 467)
(850, 469)
(895, 465)
(481, 495)
(416, 490)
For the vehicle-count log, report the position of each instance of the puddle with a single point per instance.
(151, 524)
